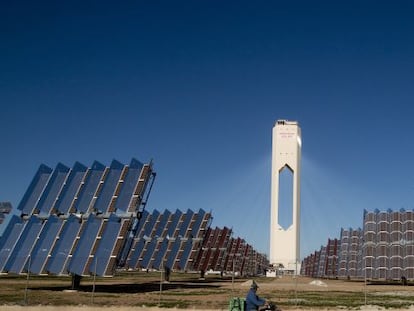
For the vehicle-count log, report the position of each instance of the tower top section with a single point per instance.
(285, 129)
(286, 122)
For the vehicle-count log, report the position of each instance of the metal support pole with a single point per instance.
(296, 283)
(365, 279)
(162, 268)
(94, 280)
(26, 298)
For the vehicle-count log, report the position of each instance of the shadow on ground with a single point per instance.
(136, 288)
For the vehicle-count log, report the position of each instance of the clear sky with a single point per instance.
(197, 86)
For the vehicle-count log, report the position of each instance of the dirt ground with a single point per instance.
(85, 308)
(147, 292)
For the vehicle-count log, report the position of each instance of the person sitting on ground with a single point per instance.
(253, 301)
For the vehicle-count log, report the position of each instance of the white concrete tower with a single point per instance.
(286, 154)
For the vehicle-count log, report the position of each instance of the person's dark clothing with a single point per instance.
(253, 302)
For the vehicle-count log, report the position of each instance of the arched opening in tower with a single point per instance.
(285, 204)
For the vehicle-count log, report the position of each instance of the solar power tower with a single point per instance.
(76, 221)
(286, 155)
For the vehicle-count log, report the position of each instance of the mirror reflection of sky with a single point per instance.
(197, 86)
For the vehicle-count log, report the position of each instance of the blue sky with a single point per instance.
(197, 86)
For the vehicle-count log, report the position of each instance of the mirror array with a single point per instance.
(382, 250)
(76, 221)
(84, 221)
